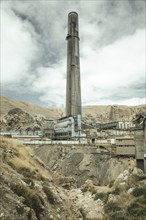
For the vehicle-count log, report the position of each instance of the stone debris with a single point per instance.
(93, 210)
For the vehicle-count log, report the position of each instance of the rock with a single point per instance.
(94, 215)
(126, 173)
(137, 171)
(59, 217)
(129, 191)
(1, 215)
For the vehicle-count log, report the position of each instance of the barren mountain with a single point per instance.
(101, 113)
(8, 104)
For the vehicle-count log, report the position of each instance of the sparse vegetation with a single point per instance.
(82, 213)
(117, 191)
(112, 207)
(111, 183)
(32, 199)
(101, 196)
(28, 175)
(120, 215)
(49, 194)
(139, 192)
(136, 209)
(26, 172)
(29, 181)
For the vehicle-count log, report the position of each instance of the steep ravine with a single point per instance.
(31, 191)
(83, 162)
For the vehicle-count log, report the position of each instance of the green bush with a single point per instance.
(139, 192)
(111, 183)
(135, 209)
(102, 196)
(32, 199)
(118, 216)
(112, 207)
(141, 200)
(117, 191)
(49, 194)
(26, 172)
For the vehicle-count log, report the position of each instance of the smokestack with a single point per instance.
(73, 88)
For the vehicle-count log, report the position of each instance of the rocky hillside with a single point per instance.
(8, 104)
(84, 162)
(17, 119)
(101, 113)
(31, 191)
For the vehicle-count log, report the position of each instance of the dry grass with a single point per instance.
(9, 143)
(32, 198)
(22, 160)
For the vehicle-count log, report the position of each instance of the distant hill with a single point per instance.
(101, 113)
(8, 104)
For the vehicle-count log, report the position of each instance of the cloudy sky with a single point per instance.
(112, 51)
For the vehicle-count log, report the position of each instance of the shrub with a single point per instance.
(141, 200)
(85, 189)
(49, 194)
(117, 191)
(112, 207)
(135, 209)
(102, 196)
(26, 172)
(118, 216)
(32, 199)
(138, 192)
(111, 183)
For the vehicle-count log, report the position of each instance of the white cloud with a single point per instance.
(116, 65)
(18, 48)
(111, 47)
(51, 83)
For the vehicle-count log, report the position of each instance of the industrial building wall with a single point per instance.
(128, 151)
(125, 142)
(139, 144)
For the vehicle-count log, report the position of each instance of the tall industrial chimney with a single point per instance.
(73, 88)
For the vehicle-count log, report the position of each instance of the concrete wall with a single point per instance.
(140, 149)
(139, 144)
(125, 142)
(125, 151)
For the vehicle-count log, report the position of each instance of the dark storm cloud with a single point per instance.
(122, 93)
(25, 17)
(25, 96)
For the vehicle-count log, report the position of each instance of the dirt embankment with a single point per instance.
(83, 162)
(31, 191)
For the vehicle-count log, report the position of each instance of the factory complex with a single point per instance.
(117, 138)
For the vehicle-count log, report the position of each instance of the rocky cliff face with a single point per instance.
(31, 191)
(83, 162)
(17, 119)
